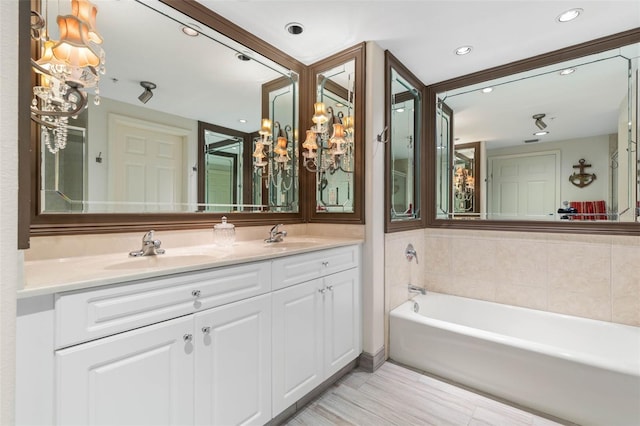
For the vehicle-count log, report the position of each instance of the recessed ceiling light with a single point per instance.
(400, 110)
(569, 15)
(191, 30)
(243, 57)
(294, 28)
(242, 120)
(463, 50)
(487, 90)
(540, 133)
(567, 71)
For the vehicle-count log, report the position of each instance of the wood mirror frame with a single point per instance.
(32, 223)
(577, 227)
(356, 53)
(392, 63)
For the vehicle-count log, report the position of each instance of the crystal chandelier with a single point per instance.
(273, 162)
(66, 68)
(329, 142)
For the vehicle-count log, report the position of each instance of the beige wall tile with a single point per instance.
(521, 262)
(517, 295)
(625, 284)
(580, 268)
(579, 304)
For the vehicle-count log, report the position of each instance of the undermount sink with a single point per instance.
(291, 245)
(144, 262)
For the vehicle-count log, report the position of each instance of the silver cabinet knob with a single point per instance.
(325, 264)
(195, 293)
(330, 287)
(187, 338)
(206, 329)
(322, 290)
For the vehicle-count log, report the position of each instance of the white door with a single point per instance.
(141, 377)
(233, 363)
(524, 187)
(297, 343)
(145, 165)
(341, 320)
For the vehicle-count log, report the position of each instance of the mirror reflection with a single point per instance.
(135, 149)
(404, 148)
(329, 144)
(554, 143)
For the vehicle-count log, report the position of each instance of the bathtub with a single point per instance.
(576, 369)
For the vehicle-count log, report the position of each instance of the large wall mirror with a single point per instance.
(173, 134)
(332, 152)
(404, 201)
(554, 142)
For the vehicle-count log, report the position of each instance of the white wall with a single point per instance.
(373, 252)
(10, 258)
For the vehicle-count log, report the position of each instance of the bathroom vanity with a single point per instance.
(218, 341)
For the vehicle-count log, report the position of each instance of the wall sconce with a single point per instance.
(66, 69)
(272, 162)
(327, 151)
(147, 94)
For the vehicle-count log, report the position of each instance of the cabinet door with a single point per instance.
(297, 343)
(141, 377)
(341, 320)
(233, 363)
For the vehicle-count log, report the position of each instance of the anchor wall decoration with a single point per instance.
(582, 179)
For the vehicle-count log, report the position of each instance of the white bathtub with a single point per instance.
(580, 370)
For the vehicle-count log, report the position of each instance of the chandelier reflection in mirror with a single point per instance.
(464, 188)
(66, 69)
(329, 143)
(272, 161)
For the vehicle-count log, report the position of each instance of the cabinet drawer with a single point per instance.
(90, 314)
(304, 267)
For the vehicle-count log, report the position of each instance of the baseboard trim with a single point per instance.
(293, 409)
(371, 363)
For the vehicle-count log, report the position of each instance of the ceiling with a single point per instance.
(423, 34)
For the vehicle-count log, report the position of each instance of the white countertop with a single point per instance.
(74, 273)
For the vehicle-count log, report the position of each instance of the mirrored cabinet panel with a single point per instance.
(332, 149)
(404, 147)
(557, 143)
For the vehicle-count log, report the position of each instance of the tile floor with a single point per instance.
(395, 395)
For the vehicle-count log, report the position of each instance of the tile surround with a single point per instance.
(592, 276)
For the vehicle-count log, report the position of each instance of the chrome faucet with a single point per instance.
(150, 246)
(416, 289)
(275, 235)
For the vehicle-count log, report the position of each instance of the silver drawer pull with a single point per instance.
(187, 338)
(322, 290)
(195, 293)
(206, 330)
(325, 264)
(330, 287)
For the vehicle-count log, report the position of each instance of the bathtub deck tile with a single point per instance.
(394, 395)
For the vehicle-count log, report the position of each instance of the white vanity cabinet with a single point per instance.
(316, 323)
(141, 377)
(211, 347)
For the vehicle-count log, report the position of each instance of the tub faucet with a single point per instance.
(416, 289)
(150, 246)
(275, 235)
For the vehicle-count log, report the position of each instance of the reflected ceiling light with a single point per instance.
(567, 71)
(540, 133)
(463, 50)
(487, 90)
(242, 120)
(569, 15)
(147, 94)
(191, 30)
(539, 123)
(294, 28)
(399, 110)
